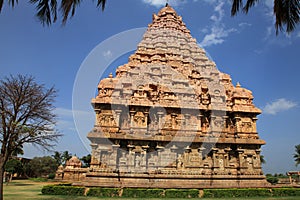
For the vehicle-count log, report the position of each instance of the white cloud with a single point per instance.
(218, 31)
(244, 24)
(159, 3)
(216, 36)
(65, 120)
(279, 105)
(268, 32)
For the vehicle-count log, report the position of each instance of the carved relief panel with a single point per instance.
(106, 118)
(246, 125)
(192, 158)
(139, 120)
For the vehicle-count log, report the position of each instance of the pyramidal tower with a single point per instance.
(171, 119)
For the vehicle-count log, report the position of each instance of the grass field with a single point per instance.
(27, 189)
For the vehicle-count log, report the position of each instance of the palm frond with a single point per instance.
(53, 5)
(292, 14)
(236, 6)
(10, 2)
(43, 11)
(1, 5)
(101, 3)
(13, 2)
(297, 154)
(68, 6)
(287, 13)
(279, 16)
(249, 4)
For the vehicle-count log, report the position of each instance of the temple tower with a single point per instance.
(171, 119)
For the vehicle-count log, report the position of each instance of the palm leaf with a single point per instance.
(236, 5)
(53, 5)
(13, 2)
(101, 3)
(249, 4)
(292, 14)
(287, 12)
(10, 2)
(297, 154)
(68, 6)
(279, 16)
(1, 5)
(43, 11)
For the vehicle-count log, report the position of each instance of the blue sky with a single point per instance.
(245, 47)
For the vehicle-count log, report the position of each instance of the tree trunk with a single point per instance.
(1, 180)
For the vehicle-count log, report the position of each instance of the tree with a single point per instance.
(86, 160)
(262, 159)
(61, 158)
(286, 11)
(41, 166)
(58, 158)
(14, 166)
(47, 10)
(272, 179)
(297, 154)
(66, 156)
(26, 116)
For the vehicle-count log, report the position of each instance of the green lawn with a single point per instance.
(26, 189)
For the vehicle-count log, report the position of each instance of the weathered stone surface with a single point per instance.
(171, 119)
(73, 170)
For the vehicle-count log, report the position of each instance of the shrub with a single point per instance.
(182, 193)
(283, 192)
(63, 190)
(51, 176)
(103, 192)
(229, 193)
(272, 179)
(142, 193)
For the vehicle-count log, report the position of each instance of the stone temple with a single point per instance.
(170, 119)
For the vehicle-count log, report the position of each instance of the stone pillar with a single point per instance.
(241, 160)
(226, 157)
(187, 118)
(173, 120)
(254, 119)
(160, 125)
(146, 113)
(113, 156)
(144, 158)
(118, 112)
(95, 160)
(237, 124)
(123, 161)
(131, 156)
(200, 150)
(97, 121)
(199, 127)
(215, 164)
(131, 120)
